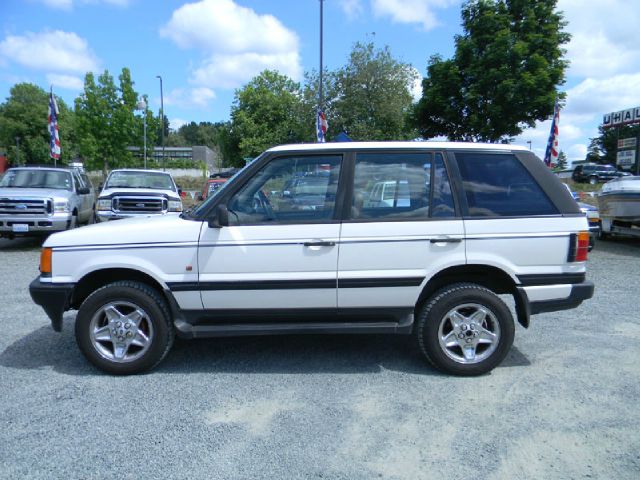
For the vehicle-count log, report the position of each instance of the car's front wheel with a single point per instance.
(464, 329)
(124, 328)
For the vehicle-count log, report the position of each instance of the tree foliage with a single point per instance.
(25, 115)
(503, 76)
(603, 148)
(106, 122)
(370, 97)
(267, 112)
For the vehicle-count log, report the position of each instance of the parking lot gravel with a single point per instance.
(562, 405)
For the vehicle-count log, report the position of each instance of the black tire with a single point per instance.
(125, 297)
(434, 314)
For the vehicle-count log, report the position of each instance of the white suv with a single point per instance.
(467, 223)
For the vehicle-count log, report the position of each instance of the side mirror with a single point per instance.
(221, 218)
(83, 191)
(100, 186)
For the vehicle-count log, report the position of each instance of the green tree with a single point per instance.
(106, 121)
(562, 161)
(369, 98)
(24, 115)
(503, 76)
(267, 112)
(603, 148)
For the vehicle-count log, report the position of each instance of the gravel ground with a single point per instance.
(562, 405)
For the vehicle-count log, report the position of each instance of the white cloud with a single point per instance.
(594, 97)
(176, 123)
(411, 11)
(68, 82)
(238, 43)
(55, 51)
(605, 37)
(351, 8)
(229, 71)
(198, 97)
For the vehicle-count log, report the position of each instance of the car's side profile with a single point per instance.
(593, 173)
(467, 223)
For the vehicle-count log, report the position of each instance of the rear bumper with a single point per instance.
(553, 298)
(54, 298)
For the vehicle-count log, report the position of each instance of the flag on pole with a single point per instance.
(54, 139)
(552, 152)
(322, 126)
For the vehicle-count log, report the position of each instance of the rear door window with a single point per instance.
(499, 185)
(402, 185)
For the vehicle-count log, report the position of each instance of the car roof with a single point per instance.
(395, 146)
(36, 167)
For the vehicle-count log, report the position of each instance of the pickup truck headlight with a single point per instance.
(175, 206)
(61, 206)
(104, 204)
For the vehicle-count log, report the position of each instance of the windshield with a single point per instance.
(152, 180)
(37, 179)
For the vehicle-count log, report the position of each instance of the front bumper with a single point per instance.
(106, 215)
(54, 298)
(23, 225)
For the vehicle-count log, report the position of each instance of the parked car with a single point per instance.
(138, 193)
(480, 221)
(210, 187)
(37, 201)
(593, 173)
(593, 217)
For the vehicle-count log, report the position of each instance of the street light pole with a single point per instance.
(161, 121)
(529, 142)
(142, 105)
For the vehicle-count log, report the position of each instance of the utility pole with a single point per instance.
(162, 122)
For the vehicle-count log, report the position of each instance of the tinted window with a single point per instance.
(288, 190)
(499, 185)
(399, 185)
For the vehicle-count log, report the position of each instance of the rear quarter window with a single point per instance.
(499, 185)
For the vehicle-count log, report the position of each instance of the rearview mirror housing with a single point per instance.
(221, 218)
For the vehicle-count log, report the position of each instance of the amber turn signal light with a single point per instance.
(45, 261)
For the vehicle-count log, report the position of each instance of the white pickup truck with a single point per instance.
(41, 200)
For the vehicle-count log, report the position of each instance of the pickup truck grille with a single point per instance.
(140, 204)
(25, 206)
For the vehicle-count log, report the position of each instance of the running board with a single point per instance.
(187, 330)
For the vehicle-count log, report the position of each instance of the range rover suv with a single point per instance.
(134, 193)
(468, 222)
(37, 201)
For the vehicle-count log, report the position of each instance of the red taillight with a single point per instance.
(578, 247)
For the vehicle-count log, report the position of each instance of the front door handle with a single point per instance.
(319, 243)
(445, 240)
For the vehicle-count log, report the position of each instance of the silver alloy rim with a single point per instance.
(121, 331)
(469, 333)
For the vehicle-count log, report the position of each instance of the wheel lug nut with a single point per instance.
(118, 324)
(127, 325)
(461, 335)
(468, 340)
(129, 334)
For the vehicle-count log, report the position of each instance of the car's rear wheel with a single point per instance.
(464, 329)
(124, 328)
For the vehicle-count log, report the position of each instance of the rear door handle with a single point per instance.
(319, 243)
(445, 240)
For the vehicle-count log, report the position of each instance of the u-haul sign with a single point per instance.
(623, 117)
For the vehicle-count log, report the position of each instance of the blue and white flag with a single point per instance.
(54, 138)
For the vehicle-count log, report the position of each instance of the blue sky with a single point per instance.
(205, 49)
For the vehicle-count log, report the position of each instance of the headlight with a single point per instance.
(175, 206)
(104, 204)
(61, 206)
